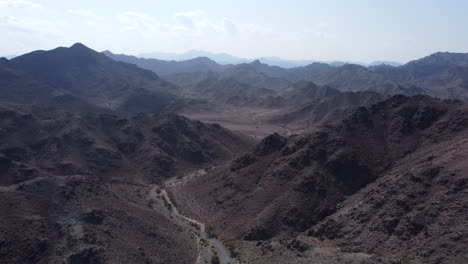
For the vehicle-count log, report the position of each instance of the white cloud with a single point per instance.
(230, 27)
(18, 4)
(27, 33)
(26, 25)
(190, 19)
(188, 24)
(85, 13)
(195, 23)
(138, 22)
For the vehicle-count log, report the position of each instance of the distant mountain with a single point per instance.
(440, 74)
(100, 80)
(257, 74)
(276, 61)
(389, 63)
(163, 67)
(444, 74)
(305, 92)
(221, 58)
(233, 92)
(224, 59)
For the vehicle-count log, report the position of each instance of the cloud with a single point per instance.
(26, 25)
(191, 24)
(321, 30)
(189, 19)
(230, 27)
(18, 4)
(138, 22)
(85, 13)
(26, 33)
(195, 23)
(197, 30)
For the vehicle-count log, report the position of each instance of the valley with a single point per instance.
(108, 158)
(251, 122)
(210, 248)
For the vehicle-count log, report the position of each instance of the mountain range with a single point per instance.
(224, 59)
(108, 158)
(440, 74)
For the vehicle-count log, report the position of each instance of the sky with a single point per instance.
(357, 30)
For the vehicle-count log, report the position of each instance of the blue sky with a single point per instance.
(356, 30)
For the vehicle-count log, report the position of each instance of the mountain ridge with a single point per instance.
(324, 175)
(426, 75)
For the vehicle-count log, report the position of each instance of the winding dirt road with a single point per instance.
(210, 249)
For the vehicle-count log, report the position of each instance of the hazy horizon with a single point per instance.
(300, 30)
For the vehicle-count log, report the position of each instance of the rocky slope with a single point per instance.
(321, 109)
(74, 188)
(18, 86)
(371, 184)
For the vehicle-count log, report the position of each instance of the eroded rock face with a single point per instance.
(94, 217)
(5, 163)
(67, 144)
(376, 181)
(87, 255)
(75, 188)
(243, 162)
(260, 233)
(270, 144)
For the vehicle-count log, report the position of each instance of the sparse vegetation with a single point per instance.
(210, 231)
(215, 259)
(172, 198)
(233, 250)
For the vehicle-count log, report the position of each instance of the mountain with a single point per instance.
(324, 109)
(98, 79)
(387, 63)
(20, 87)
(256, 74)
(226, 59)
(305, 92)
(323, 162)
(181, 72)
(231, 92)
(440, 74)
(309, 105)
(161, 67)
(368, 188)
(221, 58)
(276, 61)
(76, 189)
